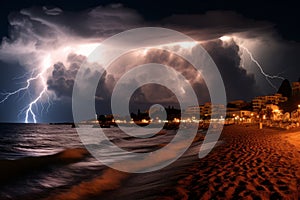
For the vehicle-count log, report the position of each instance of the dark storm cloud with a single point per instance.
(238, 84)
(182, 66)
(52, 11)
(38, 31)
(61, 80)
(101, 21)
(148, 93)
(260, 37)
(214, 24)
(62, 77)
(35, 31)
(59, 83)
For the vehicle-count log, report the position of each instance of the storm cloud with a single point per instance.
(238, 83)
(56, 41)
(214, 24)
(62, 78)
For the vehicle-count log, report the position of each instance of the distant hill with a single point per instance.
(285, 89)
(293, 101)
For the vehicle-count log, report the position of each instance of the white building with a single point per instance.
(205, 110)
(260, 102)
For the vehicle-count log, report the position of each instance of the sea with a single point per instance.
(43, 161)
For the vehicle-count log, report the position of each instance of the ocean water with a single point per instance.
(41, 161)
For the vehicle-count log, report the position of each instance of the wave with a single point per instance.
(12, 169)
(110, 179)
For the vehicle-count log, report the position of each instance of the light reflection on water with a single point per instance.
(51, 174)
(20, 140)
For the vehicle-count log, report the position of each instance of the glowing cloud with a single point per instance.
(42, 38)
(225, 38)
(38, 41)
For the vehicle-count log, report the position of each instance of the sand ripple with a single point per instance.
(251, 164)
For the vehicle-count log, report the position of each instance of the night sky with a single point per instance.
(60, 34)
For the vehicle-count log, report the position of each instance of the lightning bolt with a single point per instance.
(267, 76)
(245, 49)
(40, 76)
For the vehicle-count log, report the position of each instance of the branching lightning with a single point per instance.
(40, 74)
(249, 53)
(38, 77)
(267, 76)
(28, 110)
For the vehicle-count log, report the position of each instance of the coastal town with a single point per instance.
(281, 110)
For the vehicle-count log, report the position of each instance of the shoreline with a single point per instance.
(247, 163)
(250, 163)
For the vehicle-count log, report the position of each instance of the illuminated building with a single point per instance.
(205, 111)
(260, 102)
(295, 88)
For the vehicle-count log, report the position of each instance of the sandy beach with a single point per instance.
(247, 163)
(250, 164)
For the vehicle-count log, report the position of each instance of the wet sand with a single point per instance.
(250, 164)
